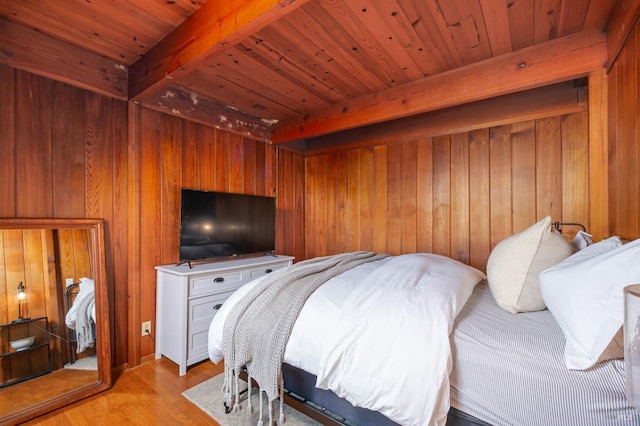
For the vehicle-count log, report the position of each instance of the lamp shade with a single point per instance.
(632, 343)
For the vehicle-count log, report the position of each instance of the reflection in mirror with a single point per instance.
(54, 323)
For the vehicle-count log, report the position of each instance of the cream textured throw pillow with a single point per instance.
(515, 263)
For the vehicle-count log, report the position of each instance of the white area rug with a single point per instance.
(88, 363)
(208, 397)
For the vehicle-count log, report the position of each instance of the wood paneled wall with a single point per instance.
(63, 152)
(167, 153)
(624, 139)
(456, 195)
(67, 152)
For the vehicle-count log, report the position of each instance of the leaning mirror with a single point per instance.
(54, 315)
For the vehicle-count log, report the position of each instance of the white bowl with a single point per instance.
(22, 344)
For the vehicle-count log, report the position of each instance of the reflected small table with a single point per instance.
(28, 362)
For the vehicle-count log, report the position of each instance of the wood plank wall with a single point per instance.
(624, 139)
(171, 153)
(63, 153)
(67, 152)
(456, 194)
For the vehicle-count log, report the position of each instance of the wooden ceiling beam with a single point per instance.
(623, 19)
(37, 53)
(215, 27)
(190, 106)
(540, 65)
(548, 101)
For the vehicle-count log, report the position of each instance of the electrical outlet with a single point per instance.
(68, 281)
(146, 328)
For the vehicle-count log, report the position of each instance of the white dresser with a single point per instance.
(187, 299)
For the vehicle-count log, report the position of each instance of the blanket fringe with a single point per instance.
(281, 418)
(260, 396)
(249, 404)
(237, 406)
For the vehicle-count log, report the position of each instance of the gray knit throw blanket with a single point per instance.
(258, 327)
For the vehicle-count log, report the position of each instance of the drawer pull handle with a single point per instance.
(218, 280)
(268, 271)
(218, 306)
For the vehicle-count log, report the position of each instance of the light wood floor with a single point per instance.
(43, 388)
(149, 394)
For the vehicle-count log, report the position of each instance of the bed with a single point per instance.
(499, 367)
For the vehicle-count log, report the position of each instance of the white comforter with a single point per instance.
(378, 335)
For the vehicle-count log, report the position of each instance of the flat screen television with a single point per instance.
(220, 224)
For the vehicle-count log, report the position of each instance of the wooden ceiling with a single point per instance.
(284, 70)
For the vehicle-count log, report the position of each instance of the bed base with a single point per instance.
(327, 408)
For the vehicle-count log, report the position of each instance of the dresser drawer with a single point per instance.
(201, 312)
(216, 283)
(257, 272)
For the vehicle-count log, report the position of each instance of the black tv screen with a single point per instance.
(218, 224)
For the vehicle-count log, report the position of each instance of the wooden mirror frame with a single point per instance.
(103, 334)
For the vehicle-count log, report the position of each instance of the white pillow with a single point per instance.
(585, 295)
(582, 240)
(515, 263)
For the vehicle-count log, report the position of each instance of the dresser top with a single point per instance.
(222, 263)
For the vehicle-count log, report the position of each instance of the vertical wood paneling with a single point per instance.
(76, 153)
(353, 206)
(366, 199)
(321, 199)
(460, 197)
(190, 155)
(34, 128)
(216, 161)
(170, 160)
(117, 259)
(8, 141)
(624, 138)
(4, 288)
(248, 160)
(287, 199)
(298, 194)
(310, 210)
(456, 195)
(206, 158)
(394, 199)
(479, 200)
(66, 156)
(222, 167)
(598, 156)
(380, 199)
(500, 184)
(408, 200)
(236, 165)
(332, 207)
(523, 174)
(575, 170)
(129, 335)
(442, 195)
(424, 195)
(548, 167)
(151, 223)
(68, 153)
(342, 197)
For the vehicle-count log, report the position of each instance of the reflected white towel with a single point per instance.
(82, 314)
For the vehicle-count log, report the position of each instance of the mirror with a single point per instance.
(48, 269)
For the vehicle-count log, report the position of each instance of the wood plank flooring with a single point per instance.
(149, 394)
